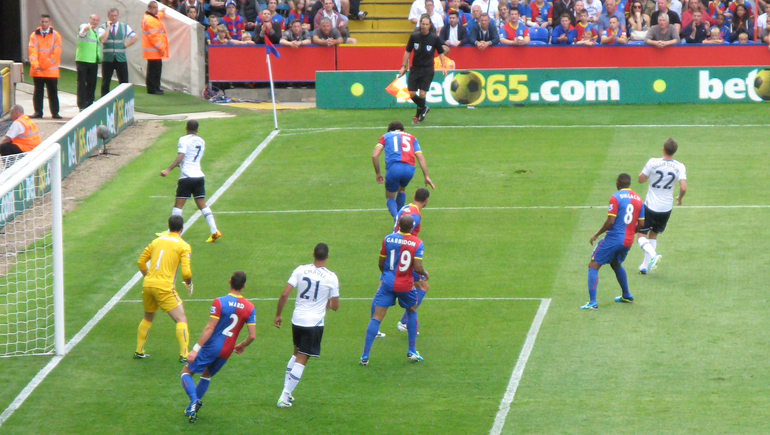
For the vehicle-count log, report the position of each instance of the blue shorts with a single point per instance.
(417, 277)
(207, 359)
(398, 175)
(607, 252)
(386, 298)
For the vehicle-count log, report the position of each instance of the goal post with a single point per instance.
(31, 254)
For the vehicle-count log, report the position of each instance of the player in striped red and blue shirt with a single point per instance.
(228, 315)
(625, 218)
(401, 152)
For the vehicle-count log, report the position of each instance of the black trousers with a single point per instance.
(53, 94)
(86, 83)
(154, 70)
(107, 69)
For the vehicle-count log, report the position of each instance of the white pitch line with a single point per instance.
(41, 375)
(136, 301)
(518, 370)
(310, 130)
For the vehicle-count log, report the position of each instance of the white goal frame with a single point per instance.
(14, 176)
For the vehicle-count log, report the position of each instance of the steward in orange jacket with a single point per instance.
(22, 137)
(44, 60)
(154, 46)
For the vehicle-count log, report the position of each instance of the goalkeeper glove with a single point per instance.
(189, 288)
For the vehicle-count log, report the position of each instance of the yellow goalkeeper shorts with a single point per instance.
(152, 298)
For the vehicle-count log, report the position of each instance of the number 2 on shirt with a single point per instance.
(405, 141)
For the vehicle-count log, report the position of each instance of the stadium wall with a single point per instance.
(184, 70)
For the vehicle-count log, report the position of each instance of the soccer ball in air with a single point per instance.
(467, 88)
(762, 84)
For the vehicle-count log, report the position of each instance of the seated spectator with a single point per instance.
(587, 39)
(488, 7)
(268, 29)
(579, 6)
(249, 10)
(22, 136)
(475, 17)
(564, 33)
(502, 17)
(192, 14)
(523, 9)
(765, 35)
(300, 13)
(539, 10)
(674, 6)
(662, 34)
(696, 32)
(714, 37)
(724, 28)
(614, 35)
(483, 35)
(272, 6)
(610, 10)
(217, 7)
(673, 17)
(435, 18)
(714, 7)
(638, 22)
(515, 32)
(741, 23)
(222, 36)
(692, 6)
(560, 7)
(326, 34)
(233, 21)
(336, 19)
(296, 36)
(418, 8)
(648, 7)
(594, 9)
(730, 10)
(246, 39)
(193, 4)
(211, 32)
(583, 27)
(454, 5)
(454, 34)
(743, 38)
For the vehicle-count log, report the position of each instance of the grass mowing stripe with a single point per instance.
(518, 370)
(43, 373)
(136, 301)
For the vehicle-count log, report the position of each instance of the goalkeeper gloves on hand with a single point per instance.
(189, 288)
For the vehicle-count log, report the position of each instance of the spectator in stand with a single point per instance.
(272, 6)
(221, 37)
(185, 5)
(296, 36)
(435, 18)
(336, 19)
(44, 59)
(594, 9)
(583, 27)
(22, 136)
(579, 6)
(539, 10)
(614, 35)
(211, 32)
(564, 33)
(610, 10)
(454, 5)
(765, 35)
(561, 7)
(326, 34)
(523, 8)
(638, 22)
(483, 35)
(488, 7)
(730, 11)
(173, 4)
(515, 32)
(502, 17)
(87, 58)
(662, 34)
(587, 39)
(741, 23)
(673, 18)
(192, 14)
(245, 40)
(250, 11)
(696, 32)
(233, 21)
(300, 13)
(268, 29)
(116, 38)
(672, 5)
(217, 7)
(724, 28)
(454, 34)
(715, 6)
(743, 38)
(715, 37)
(692, 6)
(475, 17)
(417, 9)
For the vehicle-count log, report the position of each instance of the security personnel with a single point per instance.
(116, 37)
(22, 137)
(44, 60)
(154, 46)
(87, 58)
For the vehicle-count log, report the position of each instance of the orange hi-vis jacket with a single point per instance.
(28, 140)
(45, 54)
(154, 38)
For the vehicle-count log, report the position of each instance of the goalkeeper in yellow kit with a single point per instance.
(165, 254)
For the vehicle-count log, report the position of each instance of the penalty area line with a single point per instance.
(518, 370)
(45, 371)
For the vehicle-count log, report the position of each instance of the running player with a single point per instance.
(665, 172)
(320, 290)
(414, 209)
(208, 356)
(401, 151)
(401, 254)
(624, 218)
(190, 151)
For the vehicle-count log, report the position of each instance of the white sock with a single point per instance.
(209, 219)
(648, 246)
(295, 375)
(289, 366)
(654, 243)
(176, 211)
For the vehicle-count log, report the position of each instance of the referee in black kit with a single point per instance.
(424, 43)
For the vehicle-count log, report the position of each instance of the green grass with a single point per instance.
(686, 357)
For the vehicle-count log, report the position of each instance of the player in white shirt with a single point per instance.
(663, 174)
(191, 182)
(317, 290)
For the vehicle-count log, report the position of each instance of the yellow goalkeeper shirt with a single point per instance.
(165, 254)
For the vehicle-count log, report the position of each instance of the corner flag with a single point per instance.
(270, 49)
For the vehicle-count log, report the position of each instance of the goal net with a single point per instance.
(31, 267)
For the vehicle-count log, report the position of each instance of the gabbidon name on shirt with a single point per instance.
(401, 241)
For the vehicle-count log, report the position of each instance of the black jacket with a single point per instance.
(462, 34)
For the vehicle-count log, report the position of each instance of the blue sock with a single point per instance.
(372, 314)
(203, 385)
(411, 329)
(371, 333)
(593, 281)
(420, 296)
(620, 274)
(189, 387)
(400, 200)
(392, 207)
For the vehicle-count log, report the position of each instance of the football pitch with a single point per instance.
(519, 192)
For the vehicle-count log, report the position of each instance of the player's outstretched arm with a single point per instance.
(252, 335)
(682, 191)
(424, 168)
(607, 225)
(281, 302)
(177, 161)
(376, 163)
(205, 335)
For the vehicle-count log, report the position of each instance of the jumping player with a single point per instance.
(425, 42)
(624, 218)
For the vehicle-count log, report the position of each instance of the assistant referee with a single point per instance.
(425, 44)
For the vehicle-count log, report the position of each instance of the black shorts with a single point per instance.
(308, 339)
(420, 79)
(654, 221)
(191, 186)
(9, 148)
